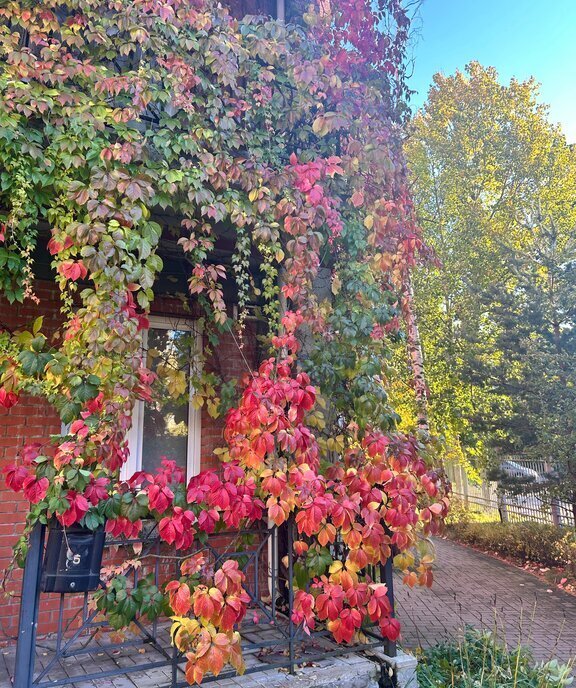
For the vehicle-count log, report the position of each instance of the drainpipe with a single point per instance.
(281, 10)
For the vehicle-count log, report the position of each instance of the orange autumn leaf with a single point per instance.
(179, 597)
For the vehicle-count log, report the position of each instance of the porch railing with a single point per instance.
(270, 639)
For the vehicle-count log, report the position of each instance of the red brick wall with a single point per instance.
(231, 364)
(32, 420)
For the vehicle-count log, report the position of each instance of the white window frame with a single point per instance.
(135, 434)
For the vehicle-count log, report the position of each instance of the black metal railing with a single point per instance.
(270, 639)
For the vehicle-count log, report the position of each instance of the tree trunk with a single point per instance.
(415, 355)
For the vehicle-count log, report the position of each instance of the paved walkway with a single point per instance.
(474, 589)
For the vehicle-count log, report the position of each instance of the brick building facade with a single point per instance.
(33, 420)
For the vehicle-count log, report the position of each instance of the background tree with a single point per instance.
(494, 185)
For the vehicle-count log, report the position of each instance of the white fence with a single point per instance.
(493, 499)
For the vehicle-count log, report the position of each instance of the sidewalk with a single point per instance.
(471, 588)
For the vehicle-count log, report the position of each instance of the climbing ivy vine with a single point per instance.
(289, 136)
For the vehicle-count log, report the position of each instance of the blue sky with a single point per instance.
(521, 38)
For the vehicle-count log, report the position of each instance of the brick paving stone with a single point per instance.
(471, 588)
(122, 682)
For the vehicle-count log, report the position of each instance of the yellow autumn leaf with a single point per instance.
(336, 567)
(183, 629)
(175, 380)
(212, 406)
(318, 124)
(403, 561)
(351, 566)
(197, 401)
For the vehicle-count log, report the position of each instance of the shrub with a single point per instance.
(541, 543)
(474, 513)
(565, 550)
(479, 660)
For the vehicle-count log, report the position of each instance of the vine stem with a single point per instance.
(240, 349)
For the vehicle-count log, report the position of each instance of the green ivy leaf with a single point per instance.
(317, 561)
(69, 411)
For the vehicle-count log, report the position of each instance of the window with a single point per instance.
(171, 430)
(270, 8)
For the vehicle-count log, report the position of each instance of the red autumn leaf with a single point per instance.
(8, 399)
(379, 605)
(193, 565)
(179, 597)
(208, 602)
(276, 513)
(223, 495)
(123, 526)
(315, 195)
(79, 428)
(233, 611)
(194, 673)
(357, 594)
(300, 547)
(426, 578)
(390, 628)
(330, 602)
(55, 246)
(357, 199)
(78, 507)
(30, 451)
(65, 453)
(274, 484)
(344, 627)
(178, 529)
(309, 520)
(326, 534)
(15, 476)
(344, 514)
(212, 652)
(35, 490)
(332, 166)
(303, 611)
(207, 520)
(97, 490)
(160, 497)
(73, 270)
(235, 658)
(229, 578)
(168, 529)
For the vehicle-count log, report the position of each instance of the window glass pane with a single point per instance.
(165, 426)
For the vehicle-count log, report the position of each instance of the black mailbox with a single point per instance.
(72, 559)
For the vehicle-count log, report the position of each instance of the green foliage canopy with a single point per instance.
(495, 187)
